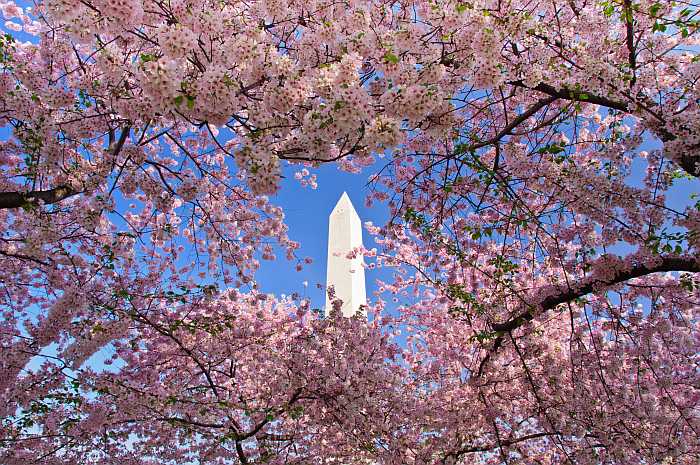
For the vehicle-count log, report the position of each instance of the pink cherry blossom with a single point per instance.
(540, 301)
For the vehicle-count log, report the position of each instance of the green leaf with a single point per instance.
(608, 9)
(658, 27)
(296, 412)
(687, 282)
(391, 58)
(654, 9)
(484, 336)
(553, 149)
(461, 148)
(122, 293)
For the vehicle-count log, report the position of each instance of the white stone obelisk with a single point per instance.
(347, 276)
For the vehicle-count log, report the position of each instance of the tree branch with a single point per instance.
(537, 106)
(577, 95)
(688, 161)
(490, 447)
(563, 294)
(22, 199)
(629, 30)
(58, 193)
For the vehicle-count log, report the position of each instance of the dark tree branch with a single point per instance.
(688, 161)
(20, 256)
(188, 421)
(490, 447)
(577, 95)
(566, 294)
(629, 29)
(588, 285)
(537, 106)
(55, 195)
(32, 198)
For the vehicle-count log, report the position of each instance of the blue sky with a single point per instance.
(307, 213)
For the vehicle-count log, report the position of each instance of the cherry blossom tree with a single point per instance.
(545, 284)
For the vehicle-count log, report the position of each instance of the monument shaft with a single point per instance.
(347, 276)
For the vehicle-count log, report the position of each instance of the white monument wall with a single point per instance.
(347, 276)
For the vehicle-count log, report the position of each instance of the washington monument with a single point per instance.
(347, 276)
